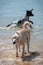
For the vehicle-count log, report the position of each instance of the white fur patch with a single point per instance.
(15, 35)
(20, 35)
(13, 40)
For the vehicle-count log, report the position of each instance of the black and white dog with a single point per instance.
(26, 18)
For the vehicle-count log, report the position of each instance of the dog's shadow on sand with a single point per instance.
(31, 56)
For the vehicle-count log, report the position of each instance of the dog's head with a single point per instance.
(29, 13)
(16, 37)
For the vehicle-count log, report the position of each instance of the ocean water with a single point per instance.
(11, 10)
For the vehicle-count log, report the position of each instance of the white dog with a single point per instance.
(21, 37)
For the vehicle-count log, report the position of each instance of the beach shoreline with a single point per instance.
(8, 56)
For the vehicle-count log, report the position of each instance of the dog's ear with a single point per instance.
(31, 10)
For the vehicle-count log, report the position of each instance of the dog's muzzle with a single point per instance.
(14, 42)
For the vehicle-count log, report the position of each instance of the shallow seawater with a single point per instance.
(6, 34)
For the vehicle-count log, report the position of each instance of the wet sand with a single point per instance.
(8, 56)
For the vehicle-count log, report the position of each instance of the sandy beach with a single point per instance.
(8, 56)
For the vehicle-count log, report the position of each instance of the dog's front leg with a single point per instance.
(23, 50)
(19, 49)
(16, 51)
(28, 45)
